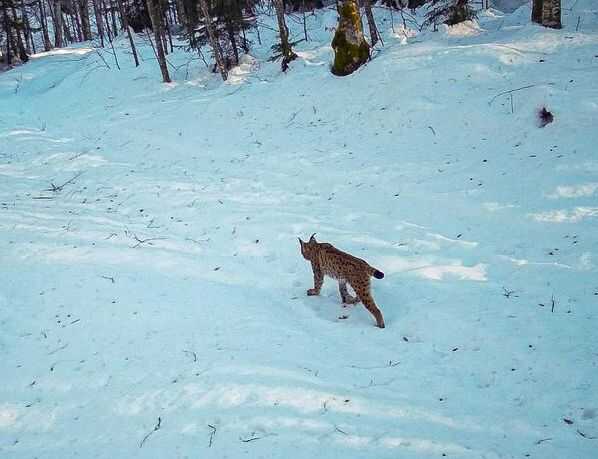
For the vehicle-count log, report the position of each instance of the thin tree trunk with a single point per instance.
(44, 24)
(233, 42)
(167, 20)
(58, 26)
(286, 50)
(29, 44)
(83, 6)
(128, 29)
(113, 17)
(154, 14)
(537, 11)
(106, 20)
(23, 56)
(68, 37)
(77, 24)
(374, 34)
(213, 39)
(8, 35)
(98, 15)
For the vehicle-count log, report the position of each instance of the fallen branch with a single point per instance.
(390, 364)
(254, 437)
(191, 353)
(58, 349)
(542, 440)
(212, 434)
(586, 435)
(517, 89)
(58, 188)
(340, 431)
(145, 241)
(156, 428)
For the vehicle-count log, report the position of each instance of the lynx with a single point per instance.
(328, 260)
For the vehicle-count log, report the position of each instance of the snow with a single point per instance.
(151, 269)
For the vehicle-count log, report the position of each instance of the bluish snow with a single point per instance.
(164, 279)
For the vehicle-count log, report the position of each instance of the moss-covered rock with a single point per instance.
(351, 50)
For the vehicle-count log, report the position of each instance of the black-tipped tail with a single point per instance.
(378, 274)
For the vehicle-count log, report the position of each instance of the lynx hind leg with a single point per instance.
(345, 296)
(363, 292)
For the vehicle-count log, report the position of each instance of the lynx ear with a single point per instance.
(312, 238)
(301, 242)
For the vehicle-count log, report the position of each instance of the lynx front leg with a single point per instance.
(318, 281)
(345, 296)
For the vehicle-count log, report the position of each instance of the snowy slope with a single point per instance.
(164, 281)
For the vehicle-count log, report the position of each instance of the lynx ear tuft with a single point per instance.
(312, 238)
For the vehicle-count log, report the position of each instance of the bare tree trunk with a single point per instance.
(83, 6)
(22, 50)
(44, 24)
(374, 34)
(551, 14)
(213, 39)
(351, 50)
(152, 6)
(547, 13)
(113, 17)
(68, 37)
(128, 29)
(233, 42)
(537, 11)
(75, 19)
(167, 21)
(106, 20)
(6, 21)
(58, 26)
(98, 14)
(29, 43)
(286, 50)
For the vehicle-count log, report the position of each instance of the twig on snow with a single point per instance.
(586, 435)
(254, 437)
(55, 188)
(58, 349)
(390, 364)
(156, 428)
(145, 241)
(336, 428)
(542, 440)
(517, 89)
(191, 353)
(212, 434)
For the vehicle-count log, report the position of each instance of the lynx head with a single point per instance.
(309, 248)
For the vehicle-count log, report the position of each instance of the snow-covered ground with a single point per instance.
(152, 301)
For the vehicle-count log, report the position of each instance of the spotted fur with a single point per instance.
(327, 260)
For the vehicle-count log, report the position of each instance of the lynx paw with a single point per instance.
(312, 292)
